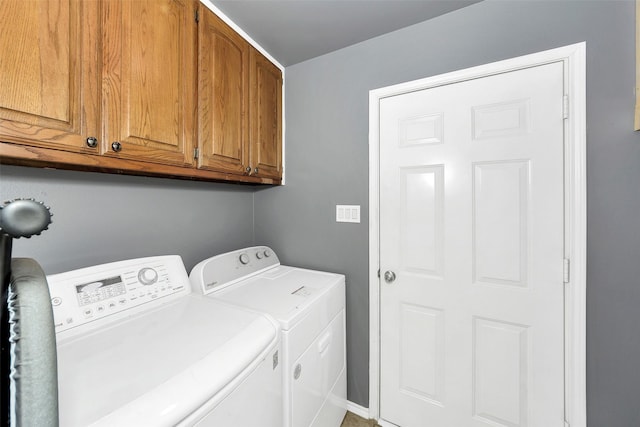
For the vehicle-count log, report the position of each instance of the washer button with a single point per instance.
(56, 301)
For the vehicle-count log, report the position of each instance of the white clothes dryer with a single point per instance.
(137, 348)
(310, 306)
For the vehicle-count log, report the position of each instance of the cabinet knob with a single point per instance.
(116, 146)
(92, 142)
(255, 171)
(248, 170)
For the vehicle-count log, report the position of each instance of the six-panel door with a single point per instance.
(472, 224)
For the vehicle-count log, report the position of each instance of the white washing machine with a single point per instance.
(310, 306)
(137, 348)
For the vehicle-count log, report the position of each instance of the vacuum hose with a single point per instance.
(18, 218)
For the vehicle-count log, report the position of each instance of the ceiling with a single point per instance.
(293, 31)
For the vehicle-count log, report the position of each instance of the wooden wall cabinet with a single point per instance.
(49, 85)
(131, 87)
(266, 117)
(223, 96)
(149, 80)
(239, 104)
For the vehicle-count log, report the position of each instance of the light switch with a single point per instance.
(348, 213)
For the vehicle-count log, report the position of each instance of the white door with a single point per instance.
(471, 224)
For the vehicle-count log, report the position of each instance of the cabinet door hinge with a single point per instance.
(196, 153)
(566, 267)
(565, 107)
(197, 16)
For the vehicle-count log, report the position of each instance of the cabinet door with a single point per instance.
(223, 95)
(265, 117)
(49, 93)
(149, 79)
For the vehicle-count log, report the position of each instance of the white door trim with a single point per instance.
(574, 58)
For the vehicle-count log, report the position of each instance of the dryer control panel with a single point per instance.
(223, 270)
(114, 290)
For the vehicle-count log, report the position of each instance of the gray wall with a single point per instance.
(327, 164)
(100, 218)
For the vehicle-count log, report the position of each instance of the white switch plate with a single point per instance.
(348, 213)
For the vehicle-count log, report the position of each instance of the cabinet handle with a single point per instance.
(92, 142)
(255, 171)
(248, 170)
(116, 146)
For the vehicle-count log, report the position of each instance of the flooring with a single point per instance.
(352, 420)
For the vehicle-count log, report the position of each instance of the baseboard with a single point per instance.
(358, 410)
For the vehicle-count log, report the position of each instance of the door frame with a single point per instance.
(574, 59)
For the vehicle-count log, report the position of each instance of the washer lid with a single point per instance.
(283, 292)
(157, 367)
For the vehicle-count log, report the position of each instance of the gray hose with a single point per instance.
(33, 372)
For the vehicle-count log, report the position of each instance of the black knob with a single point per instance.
(24, 218)
(92, 142)
(116, 146)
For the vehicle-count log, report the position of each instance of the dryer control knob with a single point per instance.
(267, 253)
(259, 255)
(148, 276)
(244, 259)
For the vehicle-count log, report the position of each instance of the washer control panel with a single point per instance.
(90, 294)
(226, 269)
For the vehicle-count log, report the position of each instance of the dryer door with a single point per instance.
(314, 378)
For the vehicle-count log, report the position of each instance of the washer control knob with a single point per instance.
(259, 255)
(267, 253)
(244, 259)
(147, 276)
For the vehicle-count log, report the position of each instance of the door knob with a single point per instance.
(389, 276)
